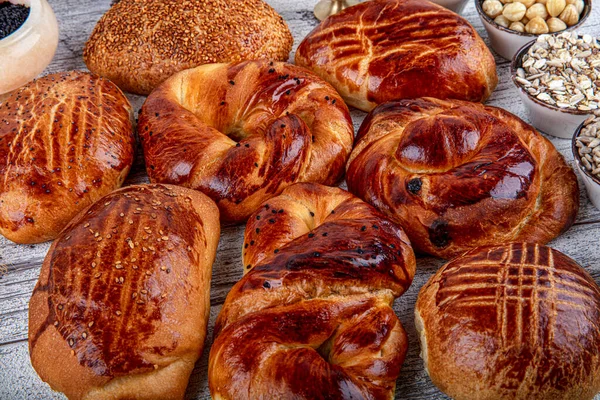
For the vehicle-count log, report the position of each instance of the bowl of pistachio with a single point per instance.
(557, 79)
(511, 24)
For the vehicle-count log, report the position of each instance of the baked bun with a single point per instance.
(241, 133)
(384, 50)
(312, 316)
(138, 44)
(65, 141)
(518, 321)
(122, 303)
(458, 175)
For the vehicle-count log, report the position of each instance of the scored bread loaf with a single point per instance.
(240, 133)
(458, 175)
(121, 306)
(384, 50)
(312, 316)
(140, 43)
(65, 141)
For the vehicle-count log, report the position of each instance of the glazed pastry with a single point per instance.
(138, 44)
(518, 321)
(458, 175)
(384, 50)
(312, 316)
(242, 132)
(122, 303)
(65, 141)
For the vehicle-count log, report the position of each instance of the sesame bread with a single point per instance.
(139, 43)
(121, 306)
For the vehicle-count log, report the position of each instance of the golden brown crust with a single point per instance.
(138, 44)
(323, 269)
(65, 141)
(242, 132)
(384, 50)
(123, 296)
(458, 175)
(511, 322)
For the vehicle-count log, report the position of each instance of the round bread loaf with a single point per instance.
(65, 141)
(458, 175)
(519, 321)
(242, 132)
(384, 50)
(138, 44)
(312, 317)
(121, 306)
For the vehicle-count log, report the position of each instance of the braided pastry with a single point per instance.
(384, 50)
(312, 316)
(242, 132)
(457, 175)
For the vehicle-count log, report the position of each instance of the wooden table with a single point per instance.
(77, 18)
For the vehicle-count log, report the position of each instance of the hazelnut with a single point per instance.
(579, 5)
(570, 16)
(537, 10)
(536, 26)
(526, 3)
(525, 20)
(492, 8)
(541, 2)
(514, 11)
(556, 25)
(555, 7)
(517, 26)
(502, 21)
(506, 1)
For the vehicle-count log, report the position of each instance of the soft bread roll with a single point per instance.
(122, 303)
(458, 175)
(519, 321)
(65, 141)
(384, 50)
(140, 43)
(312, 317)
(242, 132)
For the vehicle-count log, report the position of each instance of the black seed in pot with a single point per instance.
(12, 16)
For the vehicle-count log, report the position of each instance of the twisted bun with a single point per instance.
(242, 132)
(312, 316)
(458, 175)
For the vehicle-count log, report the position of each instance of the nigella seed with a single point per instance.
(256, 165)
(237, 145)
(258, 217)
(325, 234)
(327, 98)
(232, 83)
(283, 125)
(271, 221)
(266, 285)
(252, 243)
(257, 230)
(271, 70)
(363, 228)
(414, 185)
(311, 235)
(246, 246)
(276, 251)
(360, 251)
(316, 254)
(288, 92)
(247, 145)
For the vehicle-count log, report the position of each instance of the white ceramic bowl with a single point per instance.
(507, 42)
(25, 53)
(454, 5)
(553, 120)
(592, 184)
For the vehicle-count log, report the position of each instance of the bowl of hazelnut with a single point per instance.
(511, 24)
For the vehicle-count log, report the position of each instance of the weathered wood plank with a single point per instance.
(77, 19)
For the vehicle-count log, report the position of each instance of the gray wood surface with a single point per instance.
(77, 18)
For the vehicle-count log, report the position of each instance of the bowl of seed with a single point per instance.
(28, 41)
(586, 152)
(557, 80)
(511, 24)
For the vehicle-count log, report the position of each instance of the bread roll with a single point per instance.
(518, 321)
(458, 175)
(312, 317)
(122, 303)
(384, 50)
(138, 44)
(242, 132)
(65, 141)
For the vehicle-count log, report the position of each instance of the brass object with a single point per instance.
(325, 8)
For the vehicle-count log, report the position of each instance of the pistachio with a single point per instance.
(536, 26)
(514, 11)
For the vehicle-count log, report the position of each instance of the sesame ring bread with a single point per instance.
(519, 321)
(121, 306)
(138, 44)
(458, 175)
(384, 50)
(312, 316)
(66, 140)
(242, 132)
